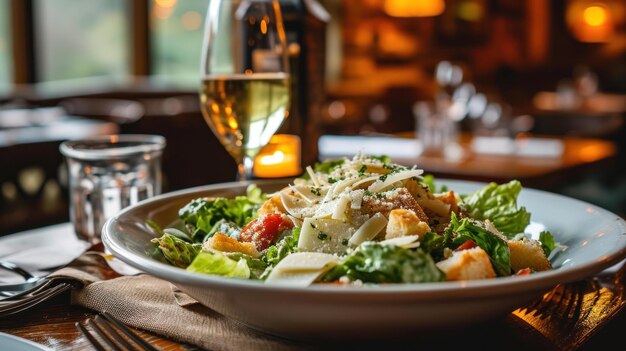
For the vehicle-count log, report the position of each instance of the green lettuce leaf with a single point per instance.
(257, 266)
(429, 180)
(284, 247)
(177, 251)
(548, 244)
(216, 263)
(498, 203)
(200, 215)
(375, 263)
(433, 244)
(496, 247)
(327, 166)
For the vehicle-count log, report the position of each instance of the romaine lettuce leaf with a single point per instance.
(429, 180)
(257, 266)
(275, 253)
(496, 247)
(547, 242)
(498, 203)
(433, 244)
(200, 215)
(375, 263)
(216, 263)
(177, 251)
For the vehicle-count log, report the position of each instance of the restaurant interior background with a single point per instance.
(71, 67)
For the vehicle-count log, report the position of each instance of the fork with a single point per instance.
(570, 314)
(112, 334)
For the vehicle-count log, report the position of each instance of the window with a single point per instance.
(177, 29)
(5, 49)
(82, 39)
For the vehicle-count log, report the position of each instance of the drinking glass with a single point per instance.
(108, 173)
(245, 92)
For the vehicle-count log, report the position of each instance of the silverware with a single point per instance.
(112, 334)
(25, 301)
(570, 314)
(30, 281)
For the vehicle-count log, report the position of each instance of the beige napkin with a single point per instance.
(155, 305)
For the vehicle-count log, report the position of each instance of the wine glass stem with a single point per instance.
(245, 169)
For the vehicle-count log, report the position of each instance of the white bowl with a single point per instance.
(596, 240)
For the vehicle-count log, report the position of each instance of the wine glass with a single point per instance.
(245, 91)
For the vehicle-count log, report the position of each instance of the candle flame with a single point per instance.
(277, 157)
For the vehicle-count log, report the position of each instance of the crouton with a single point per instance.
(527, 253)
(405, 222)
(449, 198)
(468, 264)
(222, 242)
(272, 205)
(385, 202)
(418, 190)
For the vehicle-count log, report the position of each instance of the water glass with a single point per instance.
(435, 129)
(108, 173)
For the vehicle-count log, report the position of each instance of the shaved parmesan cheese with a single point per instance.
(326, 209)
(341, 207)
(300, 191)
(294, 278)
(306, 261)
(313, 176)
(369, 229)
(340, 186)
(412, 245)
(356, 197)
(395, 177)
(439, 207)
(401, 241)
(324, 235)
(296, 206)
(365, 180)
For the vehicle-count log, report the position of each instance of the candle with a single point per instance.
(279, 158)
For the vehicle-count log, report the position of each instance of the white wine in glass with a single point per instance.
(245, 91)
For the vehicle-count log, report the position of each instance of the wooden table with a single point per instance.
(579, 155)
(53, 325)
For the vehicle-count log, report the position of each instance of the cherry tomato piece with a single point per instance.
(264, 230)
(469, 244)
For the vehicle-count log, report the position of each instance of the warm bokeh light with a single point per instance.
(279, 158)
(163, 8)
(595, 21)
(165, 3)
(413, 8)
(470, 11)
(595, 15)
(192, 20)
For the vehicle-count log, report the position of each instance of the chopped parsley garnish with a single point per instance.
(316, 191)
(322, 236)
(332, 180)
(313, 226)
(383, 177)
(344, 242)
(362, 169)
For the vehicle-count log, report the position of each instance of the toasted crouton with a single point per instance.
(449, 198)
(399, 199)
(405, 222)
(273, 205)
(468, 264)
(527, 253)
(222, 242)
